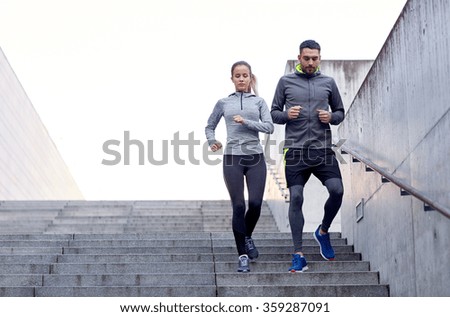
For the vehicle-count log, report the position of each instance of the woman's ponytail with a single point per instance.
(254, 85)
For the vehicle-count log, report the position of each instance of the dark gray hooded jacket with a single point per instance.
(312, 92)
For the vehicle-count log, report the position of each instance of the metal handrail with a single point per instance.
(397, 181)
(276, 178)
(273, 172)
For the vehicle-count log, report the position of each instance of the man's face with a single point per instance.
(309, 59)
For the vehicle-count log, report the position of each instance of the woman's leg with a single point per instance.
(256, 182)
(233, 174)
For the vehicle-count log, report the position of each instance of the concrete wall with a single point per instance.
(31, 167)
(349, 74)
(400, 119)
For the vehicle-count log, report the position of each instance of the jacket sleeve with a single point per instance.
(336, 105)
(277, 112)
(265, 125)
(212, 123)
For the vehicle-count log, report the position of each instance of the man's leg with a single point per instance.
(297, 221)
(296, 218)
(333, 203)
(297, 174)
(330, 176)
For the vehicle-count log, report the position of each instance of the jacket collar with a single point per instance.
(244, 94)
(300, 72)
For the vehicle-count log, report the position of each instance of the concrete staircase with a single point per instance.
(160, 248)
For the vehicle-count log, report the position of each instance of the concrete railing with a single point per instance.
(400, 121)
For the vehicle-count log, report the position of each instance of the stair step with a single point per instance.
(17, 291)
(126, 291)
(121, 268)
(134, 258)
(293, 279)
(20, 268)
(128, 279)
(30, 250)
(135, 250)
(202, 291)
(287, 249)
(28, 259)
(374, 290)
(282, 266)
(17, 237)
(351, 256)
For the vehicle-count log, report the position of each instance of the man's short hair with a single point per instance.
(311, 44)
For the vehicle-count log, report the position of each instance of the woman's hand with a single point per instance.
(238, 119)
(216, 146)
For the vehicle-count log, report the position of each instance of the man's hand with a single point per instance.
(324, 116)
(294, 112)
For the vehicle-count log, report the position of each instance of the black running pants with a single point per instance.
(252, 170)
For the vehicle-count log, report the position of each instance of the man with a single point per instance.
(302, 102)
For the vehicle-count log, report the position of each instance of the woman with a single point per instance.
(245, 116)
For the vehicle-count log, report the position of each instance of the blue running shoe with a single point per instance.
(326, 250)
(250, 248)
(243, 264)
(298, 264)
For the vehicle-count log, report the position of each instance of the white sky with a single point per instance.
(96, 68)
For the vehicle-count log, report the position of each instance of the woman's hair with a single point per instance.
(253, 82)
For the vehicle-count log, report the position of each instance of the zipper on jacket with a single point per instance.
(309, 112)
(241, 100)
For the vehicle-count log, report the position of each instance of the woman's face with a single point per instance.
(241, 78)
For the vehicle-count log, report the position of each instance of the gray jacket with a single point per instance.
(312, 92)
(242, 139)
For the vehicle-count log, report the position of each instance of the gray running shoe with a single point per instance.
(250, 248)
(243, 264)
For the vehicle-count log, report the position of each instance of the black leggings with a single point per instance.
(253, 168)
(331, 208)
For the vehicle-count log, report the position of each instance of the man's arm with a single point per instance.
(277, 112)
(336, 105)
